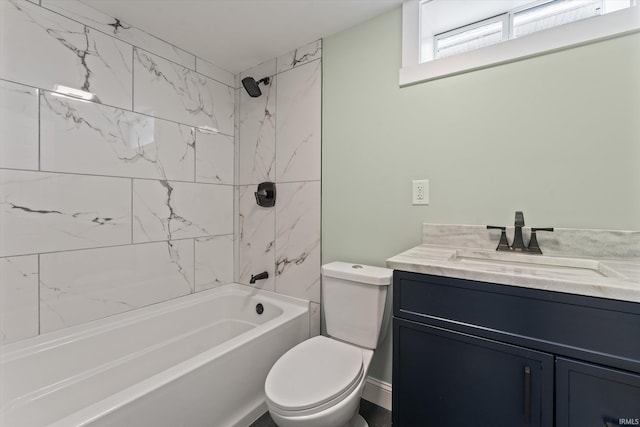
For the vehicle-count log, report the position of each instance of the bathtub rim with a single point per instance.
(63, 336)
(292, 309)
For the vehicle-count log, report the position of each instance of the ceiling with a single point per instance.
(238, 34)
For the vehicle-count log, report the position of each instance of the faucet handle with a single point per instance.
(503, 245)
(534, 247)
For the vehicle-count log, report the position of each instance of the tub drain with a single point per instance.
(259, 308)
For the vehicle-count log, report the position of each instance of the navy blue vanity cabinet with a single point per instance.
(445, 378)
(592, 395)
(483, 354)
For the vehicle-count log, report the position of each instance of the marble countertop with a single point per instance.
(599, 276)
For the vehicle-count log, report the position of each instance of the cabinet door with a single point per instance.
(591, 395)
(446, 378)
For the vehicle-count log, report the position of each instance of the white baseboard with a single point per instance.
(378, 392)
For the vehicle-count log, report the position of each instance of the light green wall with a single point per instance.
(557, 136)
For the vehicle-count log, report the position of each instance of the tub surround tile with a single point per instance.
(300, 56)
(18, 298)
(214, 261)
(236, 138)
(257, 127)
(84, 137)
(236, 234)
(169, 210)
(314, 319)
(42, 212)
(80, 286)
(75, 55)
(258, 135)
(167, 90)
(215, 72)
(298, 124)
(215, 155)
(136, 198)
(285, 150)
(298, 240)
(18, 126)
(256, 240)
(115, 27)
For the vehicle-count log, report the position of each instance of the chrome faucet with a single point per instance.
(518, 242)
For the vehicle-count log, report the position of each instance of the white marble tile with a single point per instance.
(236, 188)
(236, 234)
(18, 126)
(298, 124)
(79, 286)
(258, 136)
(214, 261)
(99, 20)
(18, 298)
(167, 90)
(314, 319)
(42, 212)
(256, 239)
(298, 240)
(236, 138)
(89, 138)
(168, 210)
(300, 56)
(215, 72)
(214, 158)
(63, 52)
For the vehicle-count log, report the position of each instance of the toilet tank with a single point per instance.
(353, 298)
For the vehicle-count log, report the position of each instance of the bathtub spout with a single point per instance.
(259, 276)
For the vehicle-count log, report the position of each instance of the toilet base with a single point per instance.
(357, 421)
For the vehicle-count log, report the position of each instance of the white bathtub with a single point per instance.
(199, 360)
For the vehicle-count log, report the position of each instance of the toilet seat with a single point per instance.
(313, 375)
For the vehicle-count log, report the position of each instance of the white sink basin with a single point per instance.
(535, 263)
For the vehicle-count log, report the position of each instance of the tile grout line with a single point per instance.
(193, 287)
(122, 245)
(132, 111)
(39, 296)
(131, 208)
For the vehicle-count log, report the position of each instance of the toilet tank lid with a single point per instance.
(358, 273)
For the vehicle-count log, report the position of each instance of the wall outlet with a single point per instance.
(420, 192)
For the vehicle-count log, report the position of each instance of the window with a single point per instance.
(446, 37)
(470, 37)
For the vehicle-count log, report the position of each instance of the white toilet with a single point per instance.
(319, 382)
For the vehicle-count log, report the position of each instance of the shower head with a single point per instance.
(251, 85)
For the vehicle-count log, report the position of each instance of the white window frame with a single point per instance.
(610, 25)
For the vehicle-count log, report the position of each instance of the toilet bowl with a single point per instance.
(319, 382)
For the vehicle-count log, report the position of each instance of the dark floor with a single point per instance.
(375, 415)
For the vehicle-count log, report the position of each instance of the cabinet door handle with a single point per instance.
(527, 394)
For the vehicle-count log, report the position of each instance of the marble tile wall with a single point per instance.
(279, 137)
(114, 204)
